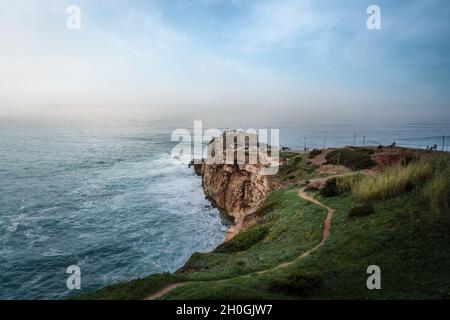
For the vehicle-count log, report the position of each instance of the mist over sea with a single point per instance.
(103, 194)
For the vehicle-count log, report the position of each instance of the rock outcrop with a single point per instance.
(237, 190)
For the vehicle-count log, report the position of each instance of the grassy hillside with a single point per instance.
(412, 250)
(353, 158)
(296, 167)
(407, 234)
(286, 227)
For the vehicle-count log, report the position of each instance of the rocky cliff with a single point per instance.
(237, 190)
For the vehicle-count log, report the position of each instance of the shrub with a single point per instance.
(245, 239)
(436, 193)
(330, 188)
(346, 183)
(353, 158)
(339, 185)
(297, 159)
(297, 283)
(296, 166)
(393, 181)
(314, 153)
(361, 210)
(428, 177)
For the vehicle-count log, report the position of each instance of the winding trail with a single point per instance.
(326, 223)
(325, 235)
(163, 291)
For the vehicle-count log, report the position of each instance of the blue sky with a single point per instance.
(306, 57)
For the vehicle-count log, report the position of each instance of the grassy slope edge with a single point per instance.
(409, 242)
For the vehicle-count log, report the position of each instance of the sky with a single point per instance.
(299, 57)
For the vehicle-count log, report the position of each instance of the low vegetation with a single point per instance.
(428, 178)
(361, 210)
(396, 233)
(286, 227)
(297, 283)
(245, 240)
(314, 153)
(353, 158)
(436, 192)
(339, 185)
(133, 290)
(296, 167)
(412, 251)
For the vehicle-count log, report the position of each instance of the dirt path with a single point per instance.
(325, 235)
(326, 223)
(163, 291)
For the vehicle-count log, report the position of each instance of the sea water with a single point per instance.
(101, 195)
(105, 196)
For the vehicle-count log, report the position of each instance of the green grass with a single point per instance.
(353, 158)
(133, 290)
(411, 246)
(436, 193)
(245, 240)
(429, 178)
(412, 252)
(298, 283)
(289, 226)
(286, 227)
(392, 182)
(361, 210)
(339, 185)
(298, 167)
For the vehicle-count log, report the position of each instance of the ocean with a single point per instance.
(103, 194)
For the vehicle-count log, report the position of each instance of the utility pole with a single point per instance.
(354, 140)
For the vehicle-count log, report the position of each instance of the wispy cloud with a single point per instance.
(219, 53)
(279, 23)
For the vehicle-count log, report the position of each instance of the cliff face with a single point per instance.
(236, 190)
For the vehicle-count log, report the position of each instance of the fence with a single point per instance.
(430, 143)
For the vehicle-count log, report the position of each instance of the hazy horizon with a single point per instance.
(100, 175)
(281, 58)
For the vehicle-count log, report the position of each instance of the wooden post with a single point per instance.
(339, 158)
(364, 141)
(443, 143)
(305, 143)
(324, 144)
